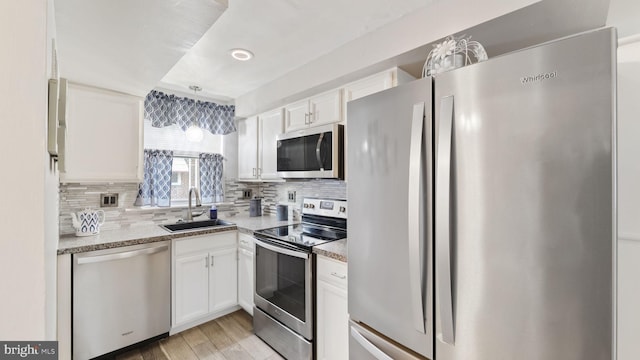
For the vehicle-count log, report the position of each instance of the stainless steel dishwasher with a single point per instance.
(121, 296)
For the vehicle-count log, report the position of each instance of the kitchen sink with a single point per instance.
(194, 225)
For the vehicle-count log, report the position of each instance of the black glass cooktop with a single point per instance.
(304, 235)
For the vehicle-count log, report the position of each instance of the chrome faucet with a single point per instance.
(198, 203)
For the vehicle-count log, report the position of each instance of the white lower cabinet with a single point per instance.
(191, 287)
(245, 272)
(332, 316)
(204, 278)
(223, 280)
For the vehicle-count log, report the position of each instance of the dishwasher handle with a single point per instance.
(121, 255)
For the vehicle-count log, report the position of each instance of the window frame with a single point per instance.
(192, 174)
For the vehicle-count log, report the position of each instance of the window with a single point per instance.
(185, 175)
(176, 179)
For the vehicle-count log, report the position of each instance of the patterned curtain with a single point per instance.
(211, 178)
(164, 110)
(155, 189)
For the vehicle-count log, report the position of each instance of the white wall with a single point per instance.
(629, 198)
(52, 181)
(23, 96)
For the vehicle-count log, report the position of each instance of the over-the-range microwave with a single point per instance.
(316, 152)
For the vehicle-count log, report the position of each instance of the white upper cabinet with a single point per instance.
(297, 115)
(257, 152)
(104, 136)
(247, 148)
(325, 108)
(373, 84)
(270, 127)
(370, 85)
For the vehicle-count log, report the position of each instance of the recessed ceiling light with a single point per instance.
(241, 54)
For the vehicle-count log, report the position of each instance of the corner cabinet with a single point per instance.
(325, 108)
(332, 310)
(204, 279)
(104, 141)
(246, 251)
(257, 152)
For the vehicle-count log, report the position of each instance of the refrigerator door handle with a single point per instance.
(372, 349)
(413, 220)
(443, 250)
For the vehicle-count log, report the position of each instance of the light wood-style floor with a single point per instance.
(227, 338)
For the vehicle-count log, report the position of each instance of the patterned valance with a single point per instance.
(164, 110)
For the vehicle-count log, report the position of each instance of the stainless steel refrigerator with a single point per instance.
(482, 209)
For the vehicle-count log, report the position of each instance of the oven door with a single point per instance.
(311, 153)
(283, 279)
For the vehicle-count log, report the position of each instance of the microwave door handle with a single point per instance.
(413, 220)
(318, 151)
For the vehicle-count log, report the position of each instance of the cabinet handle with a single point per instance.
(254, 172)
(338, 275)
(206, 261)
(259, 172)
(306, 118)
(310, 118)
(212, 261)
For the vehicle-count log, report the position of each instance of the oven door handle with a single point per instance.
(280, 250)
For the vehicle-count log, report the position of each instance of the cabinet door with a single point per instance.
(191, 287)
(270, 128)
(104, 136)
(295, 115)
(223, 279)
(333, 322)
(332, 312)
(326, 108)
(245, 279)
(368, 86)
(248, 148)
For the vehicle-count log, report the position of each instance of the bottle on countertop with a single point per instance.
(213, 212)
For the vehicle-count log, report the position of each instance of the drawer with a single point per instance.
(332, 271)
(246, 242)
(200, 243)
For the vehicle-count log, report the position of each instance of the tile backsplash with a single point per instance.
(77, 197)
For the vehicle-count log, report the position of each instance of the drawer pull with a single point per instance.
(338, 275)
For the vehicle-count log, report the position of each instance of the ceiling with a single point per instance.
(283, 35)
(134, 46)
(299, 46)
(127, 45)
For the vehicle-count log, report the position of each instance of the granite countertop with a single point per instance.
(334, 249)
(71, 244)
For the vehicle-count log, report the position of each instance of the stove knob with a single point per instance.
(343, 209)
(305, 205)
(311, 206)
